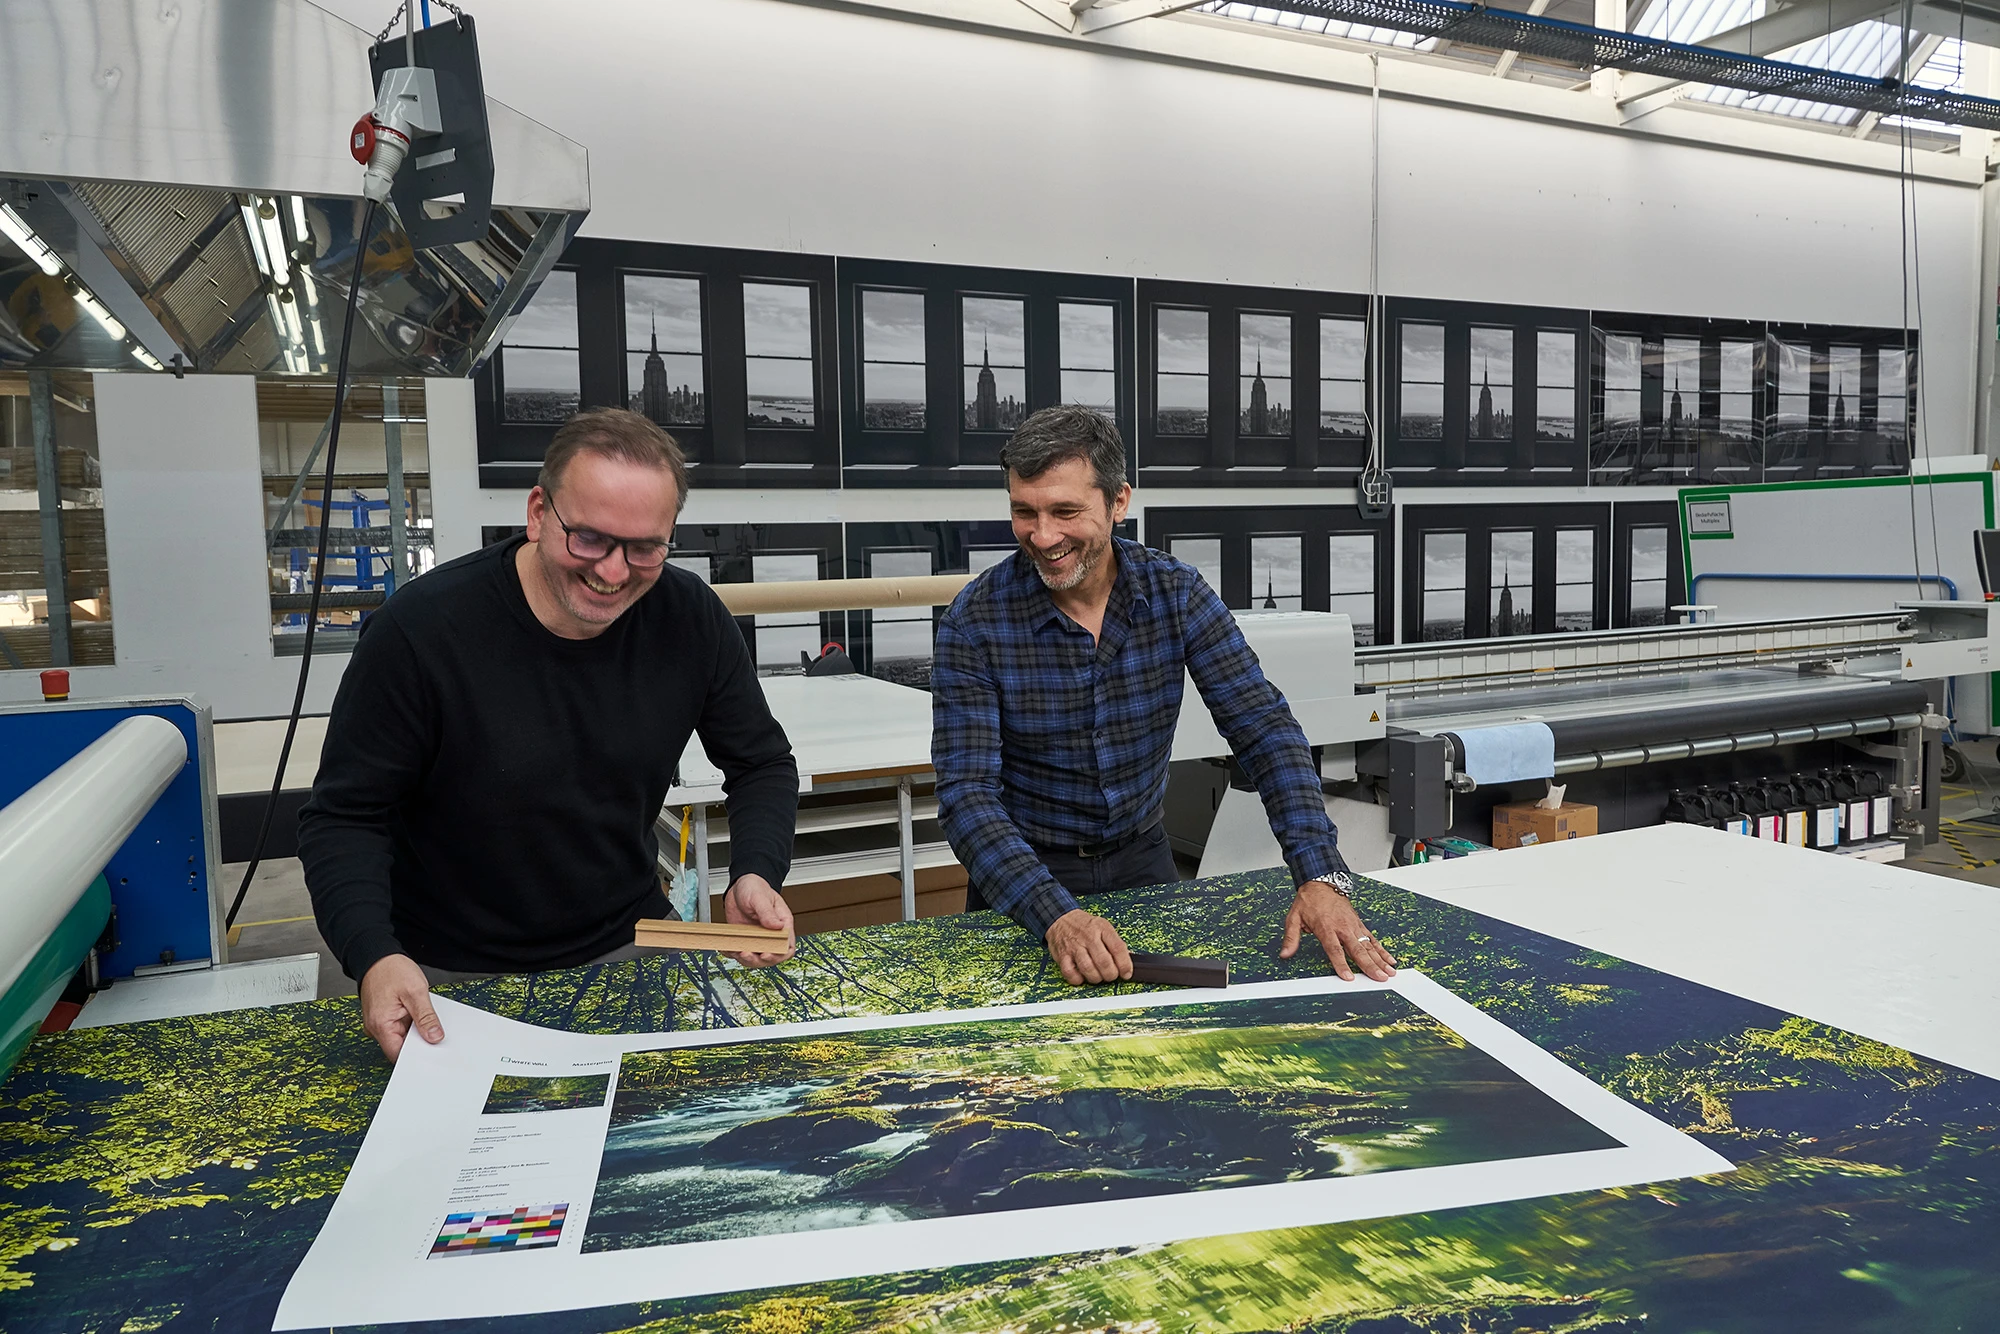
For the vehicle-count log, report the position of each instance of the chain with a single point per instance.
(396, 17)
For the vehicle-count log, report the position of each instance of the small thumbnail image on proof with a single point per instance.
(537, 1093)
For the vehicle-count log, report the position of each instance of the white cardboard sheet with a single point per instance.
(431, 1154)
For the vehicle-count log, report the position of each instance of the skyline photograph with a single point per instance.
(540, 370)
(1264, 371)
(893, 391)
(1181, 360)
(1350, 563)
(1421, 403)
(778, 354)
(1087, 350)
(994, 334)
(1444, 556)
(663, 349)
(1343, 370)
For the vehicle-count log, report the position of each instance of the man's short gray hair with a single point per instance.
(1057, 435)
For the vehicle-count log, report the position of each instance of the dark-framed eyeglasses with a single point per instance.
(641, 553)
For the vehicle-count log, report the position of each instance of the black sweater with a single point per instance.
(486, 797)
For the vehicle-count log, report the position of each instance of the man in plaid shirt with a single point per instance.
(1055, 688)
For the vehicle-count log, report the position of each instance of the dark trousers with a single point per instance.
(1146, 860)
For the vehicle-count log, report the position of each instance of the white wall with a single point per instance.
(764, 124)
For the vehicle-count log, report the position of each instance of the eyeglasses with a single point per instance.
(641, 553)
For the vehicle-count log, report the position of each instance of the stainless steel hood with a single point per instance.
(187, 166)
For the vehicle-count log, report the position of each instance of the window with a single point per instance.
(1892, 410)
(1740, 457)
(1617, 438)
(663, 350)
(1204, 553)
(701, 565)
(1511, 588)
(1343, 379)
(1088, 356)
(1793, 426)
(1492, 416)
(985, 558)
(778, 355)
(1680, 413)
(1555, 384)
(540, 366)
(49, 468)
(1182, 337)
(1576, 579)
(995, 342)
(1494, 571)
(1843, 413)
(382, 527)
(1277, 575)
(901, 635)
(1264, 356)
(1350, 561)
(892, 367)
(783, 636)
(1648, 581)
(1422, 400)
(1444, 586)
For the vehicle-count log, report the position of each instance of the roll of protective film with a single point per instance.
(56, 836)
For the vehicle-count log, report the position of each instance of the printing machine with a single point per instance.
(1628, 714)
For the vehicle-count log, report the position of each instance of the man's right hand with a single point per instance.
(396, 996)
(1087, 949)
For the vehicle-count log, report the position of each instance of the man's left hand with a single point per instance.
(1323, 910)
(752, 902)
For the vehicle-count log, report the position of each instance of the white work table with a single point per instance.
(851, 731)
(1895, 955)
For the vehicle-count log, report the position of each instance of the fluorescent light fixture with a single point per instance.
(24, 236)
(299, 218)
(293, 324)
(146, 358)
(81, 295)
(274, 246)
(256, 230)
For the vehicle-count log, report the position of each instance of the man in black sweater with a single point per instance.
(506, 732)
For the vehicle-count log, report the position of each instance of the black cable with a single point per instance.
(319, 564)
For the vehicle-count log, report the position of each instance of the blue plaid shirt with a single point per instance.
(1040, 736)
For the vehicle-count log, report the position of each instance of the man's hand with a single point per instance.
(752, 902)
(1087, 949)
(395, 996)
(1323, 910)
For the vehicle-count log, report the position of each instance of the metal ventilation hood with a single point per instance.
(187, 166)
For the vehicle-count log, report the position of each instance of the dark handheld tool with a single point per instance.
(1173, 971)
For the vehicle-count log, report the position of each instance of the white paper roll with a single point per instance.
(56, 836)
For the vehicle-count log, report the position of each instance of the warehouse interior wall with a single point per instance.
(784, 126)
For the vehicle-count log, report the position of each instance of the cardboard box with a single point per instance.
(1525, 824)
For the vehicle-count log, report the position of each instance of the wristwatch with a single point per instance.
(1340, 882)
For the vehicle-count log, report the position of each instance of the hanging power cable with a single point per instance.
(319, 561)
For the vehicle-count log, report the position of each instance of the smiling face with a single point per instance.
(1064, 525)
(578, 598)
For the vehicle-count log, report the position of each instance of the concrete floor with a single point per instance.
(277, 916)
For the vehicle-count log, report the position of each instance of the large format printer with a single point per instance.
(1628, 715)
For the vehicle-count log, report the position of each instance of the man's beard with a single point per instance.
(1085, 564)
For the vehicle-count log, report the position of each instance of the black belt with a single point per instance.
(1092, 850)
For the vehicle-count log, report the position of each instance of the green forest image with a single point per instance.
(753, 1138)
(544, 1093)
(170, 1175)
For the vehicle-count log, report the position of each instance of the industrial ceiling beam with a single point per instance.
(1775, 32)
(1092, 17)
(1503, 66)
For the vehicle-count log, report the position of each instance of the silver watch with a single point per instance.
(1340, 882)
